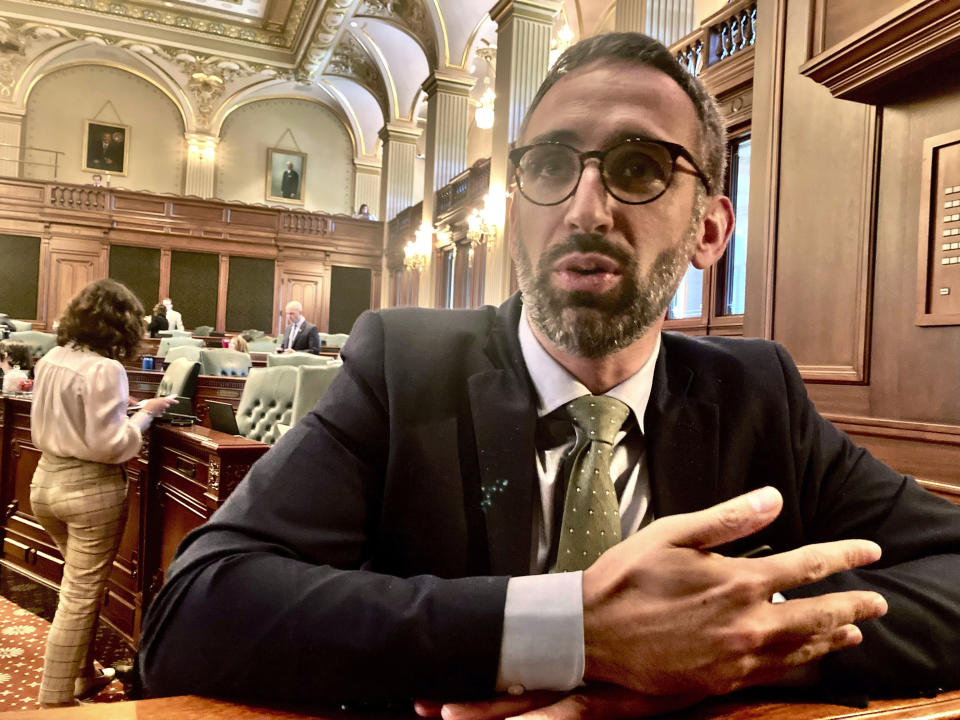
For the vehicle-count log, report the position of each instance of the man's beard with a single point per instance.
(594, 325)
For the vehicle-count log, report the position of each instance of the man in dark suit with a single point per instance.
(290, 182)
(406, 539)
(299, 334)
(106, 152)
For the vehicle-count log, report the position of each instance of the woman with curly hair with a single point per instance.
(14, 354)
(79, 490)
(158, 320)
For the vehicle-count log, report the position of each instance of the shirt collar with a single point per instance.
(556, 386)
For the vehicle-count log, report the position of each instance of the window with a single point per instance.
(712, 300)
(447, 259)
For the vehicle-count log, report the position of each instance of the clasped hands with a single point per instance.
(667, 622)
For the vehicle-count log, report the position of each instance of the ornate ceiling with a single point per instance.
(363, 59)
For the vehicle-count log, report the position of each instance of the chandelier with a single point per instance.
(416, 253)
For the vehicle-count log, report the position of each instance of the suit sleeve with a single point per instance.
(313, 340)
(274, 598)
(846, 493)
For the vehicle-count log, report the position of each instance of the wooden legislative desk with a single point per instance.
(188, 707)
(176, 482)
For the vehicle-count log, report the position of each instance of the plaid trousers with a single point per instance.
(83, 506)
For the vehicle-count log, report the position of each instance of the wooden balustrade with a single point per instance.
(303, 223)
(720, 37)
(77, 197)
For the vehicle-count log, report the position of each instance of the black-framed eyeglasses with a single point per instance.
(636, 171)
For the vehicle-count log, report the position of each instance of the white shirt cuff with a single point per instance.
(142, 419)
(542, 645)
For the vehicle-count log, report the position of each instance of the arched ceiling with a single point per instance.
(365, 59)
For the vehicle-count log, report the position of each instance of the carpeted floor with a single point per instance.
(26, 609)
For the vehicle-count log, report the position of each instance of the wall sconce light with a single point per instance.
(482, 224)
(416, 253)
(484, 113)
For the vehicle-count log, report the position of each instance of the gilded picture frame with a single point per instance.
(286, 176)
(106, 147)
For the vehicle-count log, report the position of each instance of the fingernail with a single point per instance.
(764, 499)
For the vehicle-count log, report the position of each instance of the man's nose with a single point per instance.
(590, 207)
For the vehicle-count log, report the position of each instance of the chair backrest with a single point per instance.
(190, 352)
(175, 333)
(203, 330)
(180, 378)
(312, 382)
(323, 338)
(22, 325)
(337, 339)
(38, 342)
(297, 359)
(267, 399)
(224, 361)
(262, 345)
(172, 342)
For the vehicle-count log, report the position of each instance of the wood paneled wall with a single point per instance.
(832, 266)
(77, 225)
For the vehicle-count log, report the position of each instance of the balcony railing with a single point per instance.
(466, 188)
(721, 36)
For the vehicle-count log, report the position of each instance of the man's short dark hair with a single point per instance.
(643, 50)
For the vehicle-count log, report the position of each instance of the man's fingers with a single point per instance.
(608, 703)
(723, 523)
(800, 619)
(810, 563)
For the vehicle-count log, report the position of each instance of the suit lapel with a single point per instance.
(683, 435)
(504, 421)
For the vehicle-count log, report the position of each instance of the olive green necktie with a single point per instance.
(591, 518)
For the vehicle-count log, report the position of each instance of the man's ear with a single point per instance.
(716, 227)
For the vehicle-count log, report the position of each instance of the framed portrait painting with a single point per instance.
(286, 175)
(106, 147)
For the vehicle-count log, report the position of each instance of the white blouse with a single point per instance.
(79, 407)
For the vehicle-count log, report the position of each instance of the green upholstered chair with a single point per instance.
(262, 345)
(203, 330)
(337, 340)
(171, 342)
(22, 325)
(267, 399)
(175, 333)
(38, 342)
(224, 361)
(312, 382)
(180, 378)
(297, 359)
(323, 338)
(190, 352)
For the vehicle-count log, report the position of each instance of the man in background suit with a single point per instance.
(174, 318)
(399, 543)
(299, 334)
(290, 182)
(106, 153)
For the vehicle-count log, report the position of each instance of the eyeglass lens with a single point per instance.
(634, 172)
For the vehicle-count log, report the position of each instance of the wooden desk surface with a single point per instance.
(188, 707)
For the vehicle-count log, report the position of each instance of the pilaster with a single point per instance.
(201, 164)
(630, 16)
(448, 119)
(399, 158)
(669, 20)
(11, 131)
(523, 52)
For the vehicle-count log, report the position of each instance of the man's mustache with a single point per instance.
(586, 243)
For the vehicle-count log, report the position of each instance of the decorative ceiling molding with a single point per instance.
(409, 15)
(352, 61)
(196, 20)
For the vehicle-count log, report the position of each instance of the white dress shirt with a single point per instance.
(542, 645)
(79, 407)
(294, 331)
(174, 320)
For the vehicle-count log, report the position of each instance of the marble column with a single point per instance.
(399, 159)
(366, 186)
(201, 164)
(11, 131)
(523, 56)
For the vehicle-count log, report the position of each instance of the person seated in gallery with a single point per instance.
(364, 213)
(7, 325)
(158, 320)
(15, 354)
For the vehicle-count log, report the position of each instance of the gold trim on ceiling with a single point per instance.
(386, 69)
